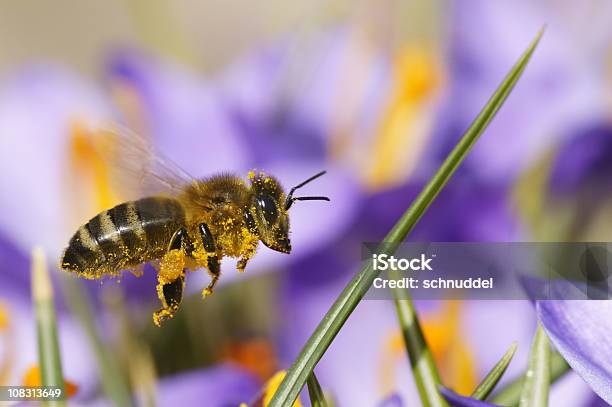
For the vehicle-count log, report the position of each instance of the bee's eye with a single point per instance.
(268, 208)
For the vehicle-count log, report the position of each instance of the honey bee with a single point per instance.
(186, 225)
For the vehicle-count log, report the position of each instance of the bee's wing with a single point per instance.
(135, 168)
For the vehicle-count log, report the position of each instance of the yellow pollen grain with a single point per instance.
(171, 266)
(137, 271)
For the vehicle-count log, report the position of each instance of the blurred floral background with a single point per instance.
(376, 93)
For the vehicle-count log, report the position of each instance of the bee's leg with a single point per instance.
(213, 264)
(242, 263)
(180, 240)
(250, 247)
(171, 276)
(170, 295)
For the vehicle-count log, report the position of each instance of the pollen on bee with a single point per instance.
(251, 175)
(199, 259)
(137, 271)
(171, 266)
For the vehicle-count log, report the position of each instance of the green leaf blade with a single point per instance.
(49, 356)
(425, 373)
(317, 399)
(510, 395)
(352, 294)
(114, 383)
(537, 379)
(487, 385)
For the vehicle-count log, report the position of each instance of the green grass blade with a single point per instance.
(537, 379)
(487, 385)
(317, 399)
(426, 374)
(510, 395)
(114, 382)
(49, 357)
(344, 305)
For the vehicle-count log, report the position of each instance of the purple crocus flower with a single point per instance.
(343, 99)
(219, 386)
(579, 175)
(457, 400)
(37, 107)
(580, 330)
(583, 163)
(178, 110)
(564, 84)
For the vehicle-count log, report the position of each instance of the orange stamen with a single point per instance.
(452, 354)
(255, 355)
(32, 378)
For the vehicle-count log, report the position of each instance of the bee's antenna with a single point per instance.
(290, 199)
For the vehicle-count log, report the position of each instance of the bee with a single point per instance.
(186, 225)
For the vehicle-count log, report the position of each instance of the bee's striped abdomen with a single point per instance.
(126, 235)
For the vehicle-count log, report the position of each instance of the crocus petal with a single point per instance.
(486, 39)
(392, 401)
(457, 400)
(14, 267)
(292, 104)
(571, 390)
(580, 330)
(220, 386)
(491, 326)
(486, 214)
(584, 159)
(262, 116)
(37, 107)
(185, 119)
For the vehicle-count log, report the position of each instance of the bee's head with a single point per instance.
(268, 212)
